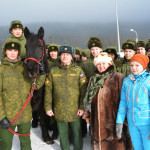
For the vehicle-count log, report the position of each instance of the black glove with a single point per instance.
(119, 130)
(5, 123)
(41, 68)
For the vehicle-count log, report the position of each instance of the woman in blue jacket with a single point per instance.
(135, 103)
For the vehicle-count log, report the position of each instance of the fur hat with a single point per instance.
(141, 44)
(15, 24)
(95, 42)
(103, 57)
(86, 53)
(112, 50)
(66, 49)
(52, 47)
(78, 51)
(12, 44)
(140, 58)
(129, 45)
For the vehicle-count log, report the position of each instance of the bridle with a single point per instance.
(37, 61)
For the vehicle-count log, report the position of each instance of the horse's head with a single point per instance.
(35, 51)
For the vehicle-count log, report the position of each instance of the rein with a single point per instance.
(25, 104)
(37, 61)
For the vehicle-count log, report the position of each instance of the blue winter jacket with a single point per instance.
(135, 100)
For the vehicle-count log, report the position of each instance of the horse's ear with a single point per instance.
(26, 32)
(41, 33)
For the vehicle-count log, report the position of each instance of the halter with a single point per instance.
(37, 61)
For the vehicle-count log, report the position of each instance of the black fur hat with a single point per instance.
(141, 44)
(95, 42)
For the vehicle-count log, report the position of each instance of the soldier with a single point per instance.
(16, 31)
(53, 59)
(85, 55)
(78, 56)
(15, 87)
(122, 64)
(95, 46)
(141, 45)
(65, 88)
(112, 51)
(148, 53)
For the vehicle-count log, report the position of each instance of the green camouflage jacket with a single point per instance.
(22, 41)
(65, 87)
(15, 87)
(53, 63)
(88, 67)
(123, 66)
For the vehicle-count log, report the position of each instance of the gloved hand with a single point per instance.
(41, 68)
(5, 123)
(119, 130)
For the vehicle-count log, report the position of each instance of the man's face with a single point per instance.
(141, 50)
(95, 51)
(12, 54)
(128, 53)
(112, 56)
(65, 59)
(17, 32)
(53, 54)
(77, 56)
(84, 58)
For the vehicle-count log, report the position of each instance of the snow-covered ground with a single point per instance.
(38, 144)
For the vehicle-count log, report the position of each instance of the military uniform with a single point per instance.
(52, 62)
(65, 88)
(21, 39)
(123, 66)
(15, 87)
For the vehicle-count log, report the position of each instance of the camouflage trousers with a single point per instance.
(6, 137)
(77, 134)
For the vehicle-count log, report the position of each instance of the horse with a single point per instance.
(36, 60)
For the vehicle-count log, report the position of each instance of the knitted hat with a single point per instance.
(111, 50)
(140, 58)
(103, 57)
(95, 42)
(141, 44)
(66, 49)
(129, 45)
(15, 24)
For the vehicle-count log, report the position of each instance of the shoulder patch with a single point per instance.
(82, 75)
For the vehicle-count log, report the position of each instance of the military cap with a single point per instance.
(141, 44)
(15, 24)
(129, 45)
(95, 42)
(12, 44)
(53, 47)
(66, 49)
(86, 53)
(78, 51)
(112, 50)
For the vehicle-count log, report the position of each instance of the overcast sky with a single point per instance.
(31, 11)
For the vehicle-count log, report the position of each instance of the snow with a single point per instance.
(38, 144)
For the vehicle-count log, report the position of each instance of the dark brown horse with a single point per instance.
(37, 64)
